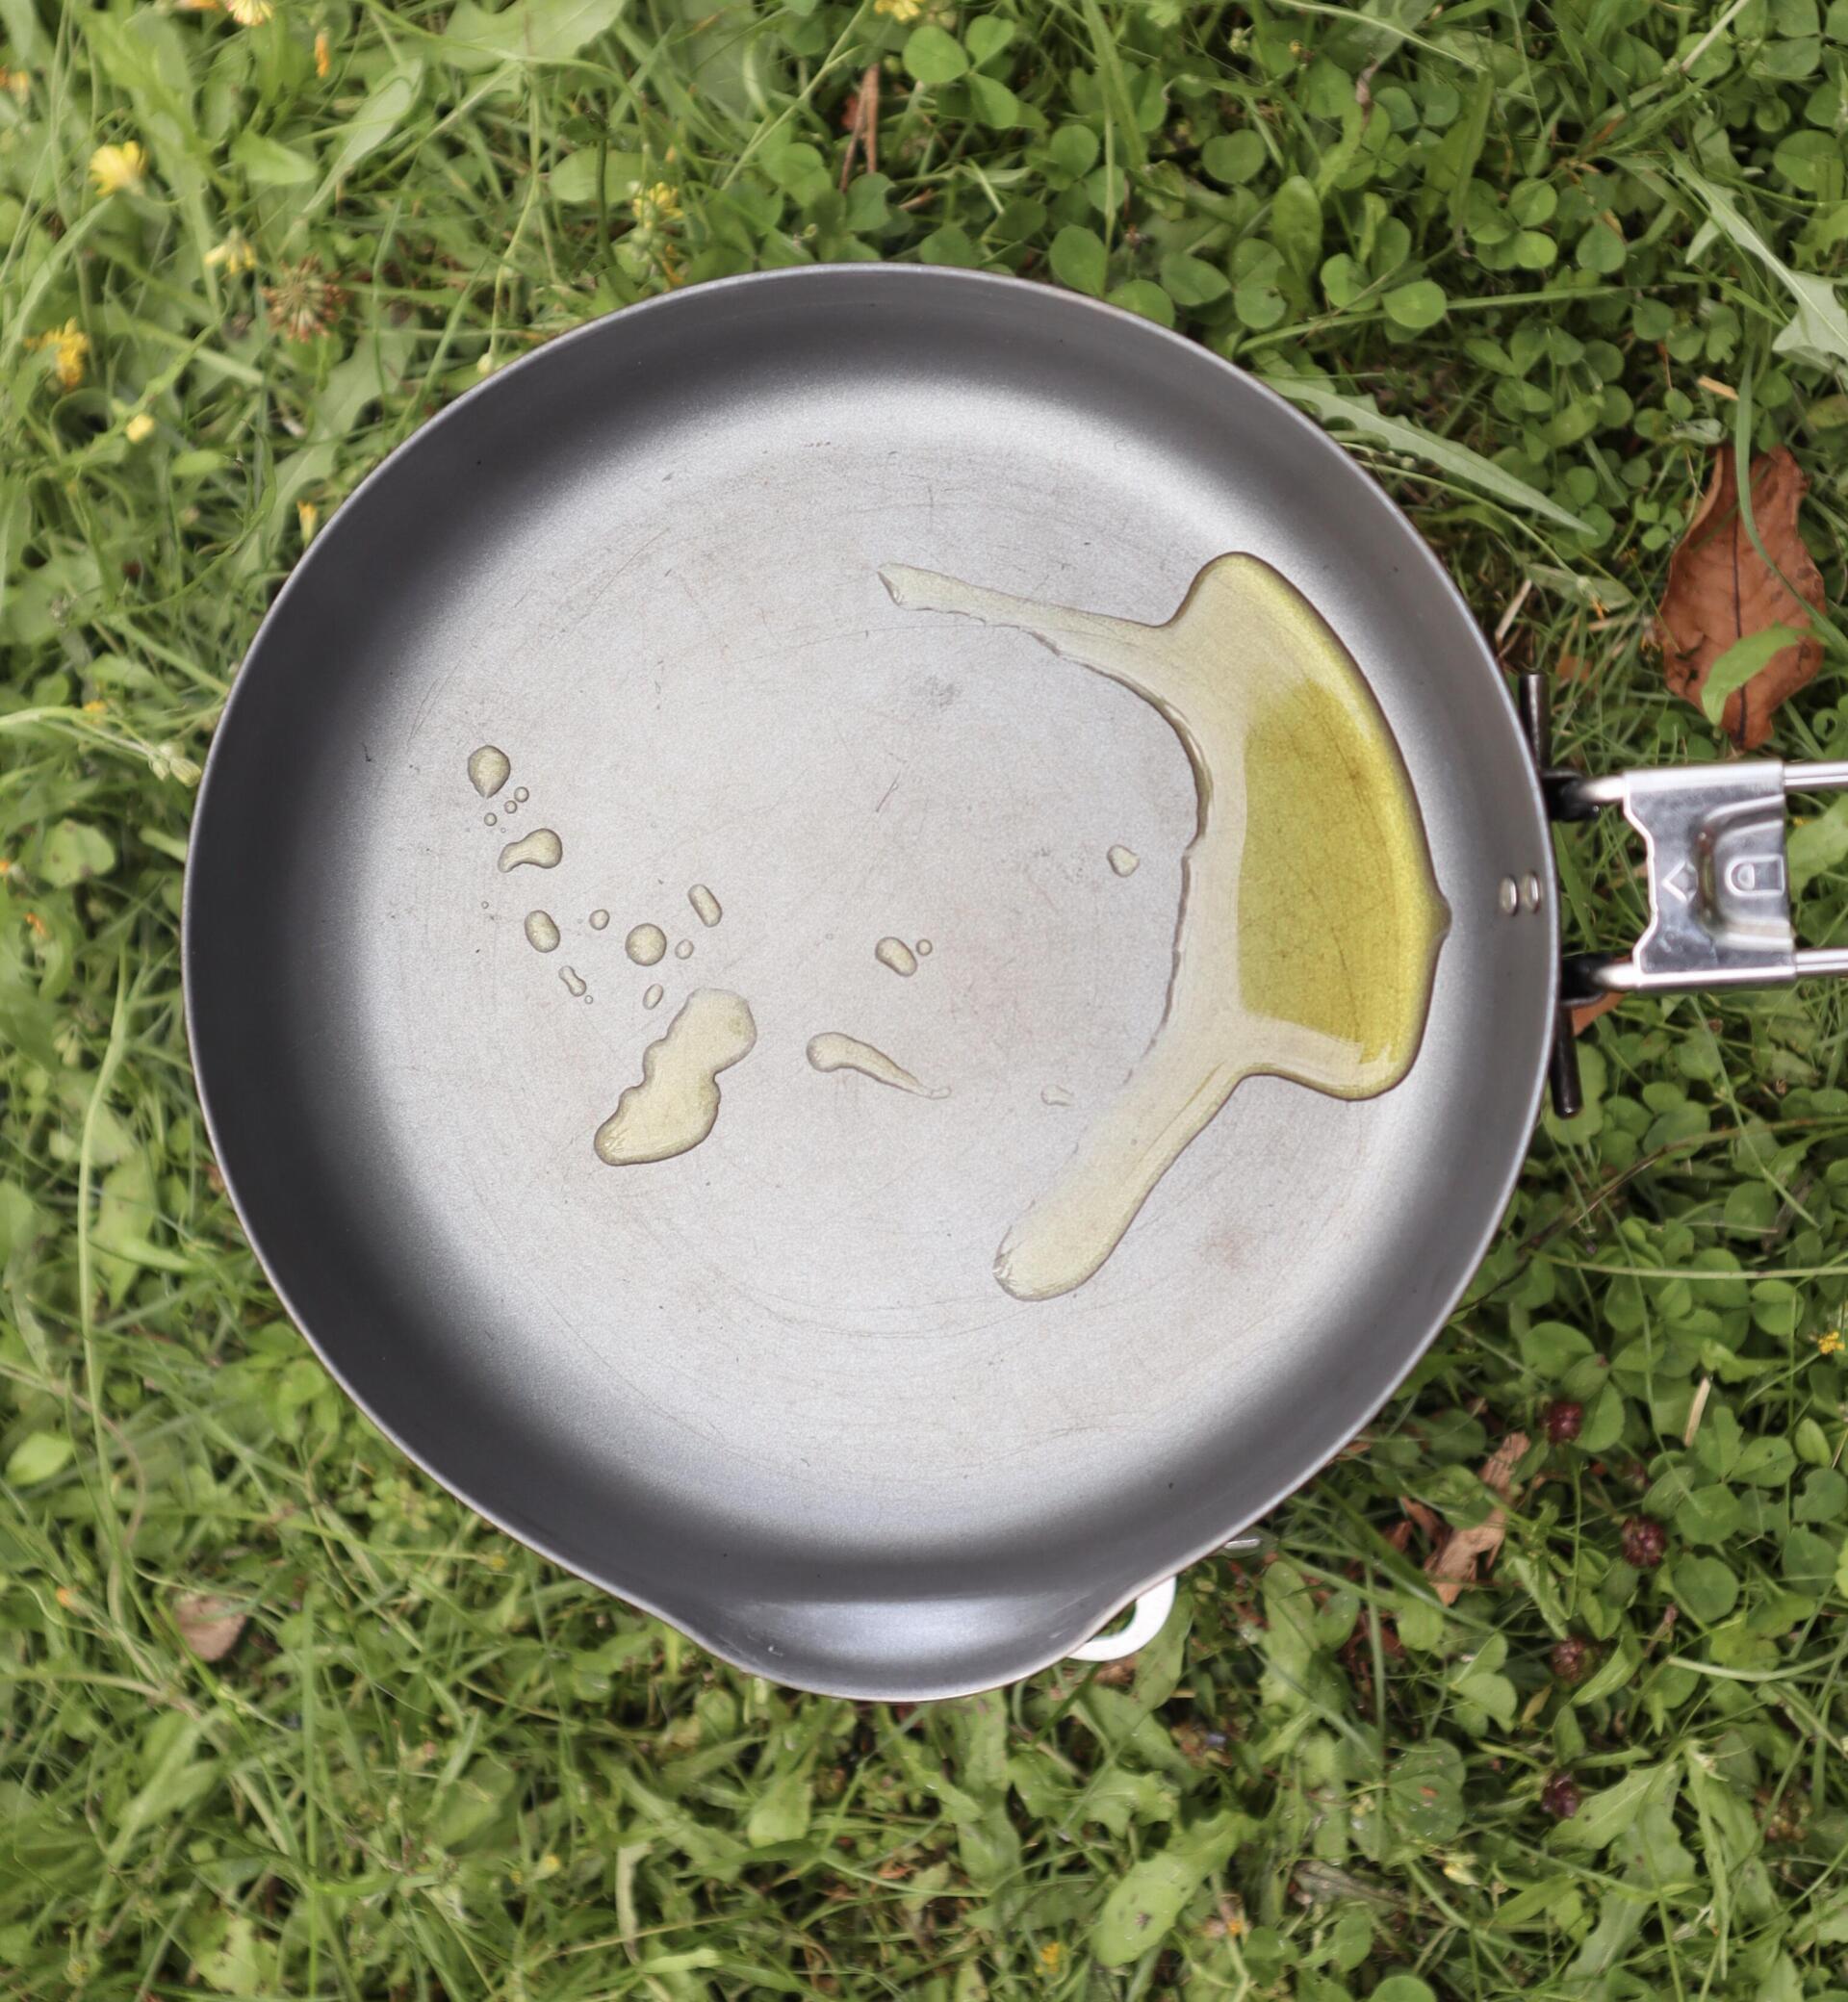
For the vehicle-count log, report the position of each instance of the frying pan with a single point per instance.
(768, 1386)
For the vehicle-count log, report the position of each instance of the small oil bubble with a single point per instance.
(683, 950)
(541, 849)
(653, 998)
(833, 1051)
(1055, 1095)
(513, 806)
(574, 985)
(925, 948)
(897, 955)
(646, 944)
(521, 793)
(541, 934)
(1124, 861)
(490, 820)
(705, 904)
(488, 769)
(598, 919)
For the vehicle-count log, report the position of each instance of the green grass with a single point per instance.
(1476, 241)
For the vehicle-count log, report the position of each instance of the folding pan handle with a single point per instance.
(1147, 1616)
(1719, 884)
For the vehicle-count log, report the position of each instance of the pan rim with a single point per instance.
(1033, 1653)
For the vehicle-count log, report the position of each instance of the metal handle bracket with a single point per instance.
(1719, 881)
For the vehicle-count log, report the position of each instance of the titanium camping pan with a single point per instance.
(871, 948)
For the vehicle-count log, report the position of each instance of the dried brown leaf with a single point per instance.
(208, 1625)
(1583, 1018)
(1720, 591)
(1452, 1565)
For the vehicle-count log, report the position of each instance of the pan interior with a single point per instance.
(771, 1385)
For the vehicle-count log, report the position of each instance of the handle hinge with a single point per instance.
(1719, 879)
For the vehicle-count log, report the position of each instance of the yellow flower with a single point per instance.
(18, 82)
(1830, 1344)
(119, 170)
(1051, 1955)
(323, 60)
(900, 10)
(139, 427)
(307, 514)
(234, 254)
(654, 208)
(249, 14)
(98, 707)
(70, 349)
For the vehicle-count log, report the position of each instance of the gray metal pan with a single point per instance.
(769, 1387)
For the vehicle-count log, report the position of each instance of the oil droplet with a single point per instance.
(488, 769)
(573, 987)
(598, 919)
(512, 807)
(897, 955)
(521, 793)
(1124, 861)
(674, 1104)
(646, 944)
(925, 948)
(1310, 923)
(490, 819)
(1055, 1095)
(541, 849)
(705, 904)
(683, 950)
(653, 998)
(833, 1051)
(542, 934)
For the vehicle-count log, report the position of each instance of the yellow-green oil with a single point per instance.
(1310, 919)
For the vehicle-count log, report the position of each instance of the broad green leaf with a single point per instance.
(1139, 295)
(1604, 1815)
(987, 35)
(574, 180)
(1233, 158)
(1078, 259)
(1359, 414)
(1295, 224)
(996, 106)
(1416, 306)
(781, 1811)
(1150, 1894)
(367, 130)
(229, 1956)
(1818, 845)
(530, 30)
(934, 56)
(266, 163)
(1706, 1587)
(74, 852)
(1191, 281)
(1817, 330)
(1741, 660)
(38, 1456)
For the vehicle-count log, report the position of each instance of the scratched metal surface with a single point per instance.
(771, 1389)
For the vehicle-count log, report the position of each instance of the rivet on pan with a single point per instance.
(1530, 890)
(1509, 896)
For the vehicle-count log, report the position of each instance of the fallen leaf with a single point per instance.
(208, 1624)
(1452, 1565)
(1722, 592)
(1583, 1018)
